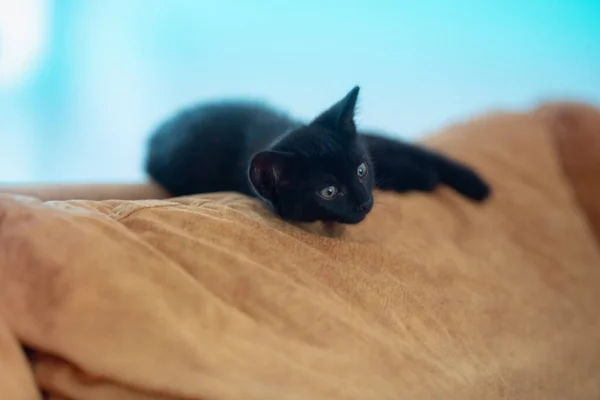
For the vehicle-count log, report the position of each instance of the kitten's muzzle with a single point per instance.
(365, 207)
(353, 219)
(361, 213)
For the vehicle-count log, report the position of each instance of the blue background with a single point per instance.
(97, 76)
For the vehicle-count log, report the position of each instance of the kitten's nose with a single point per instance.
(366, 206)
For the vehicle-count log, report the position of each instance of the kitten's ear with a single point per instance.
(268, 171)
(340, 116)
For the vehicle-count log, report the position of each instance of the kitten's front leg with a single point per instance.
(404, 167)
(405, 175)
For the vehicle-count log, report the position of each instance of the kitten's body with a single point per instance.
(253, 149)
(208, 148)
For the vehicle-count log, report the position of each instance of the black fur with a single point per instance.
(250, 148)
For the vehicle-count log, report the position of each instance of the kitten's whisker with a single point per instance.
(378, 203)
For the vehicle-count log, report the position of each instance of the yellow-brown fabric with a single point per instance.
(93, 191)
(209, 297)
(577, 135)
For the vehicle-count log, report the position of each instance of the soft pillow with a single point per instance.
(210, 297)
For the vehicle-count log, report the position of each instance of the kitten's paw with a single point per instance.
(475, 188)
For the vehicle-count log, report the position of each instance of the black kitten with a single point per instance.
(323, 170)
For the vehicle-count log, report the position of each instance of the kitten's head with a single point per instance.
(320, 171)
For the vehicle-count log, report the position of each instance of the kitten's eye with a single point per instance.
(362, 170)
(329, 192)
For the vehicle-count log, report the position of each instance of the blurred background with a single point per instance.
(84, 82)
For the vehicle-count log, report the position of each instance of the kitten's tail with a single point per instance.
(462, 179)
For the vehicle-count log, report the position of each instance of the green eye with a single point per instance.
(361, 171)
(329, 192)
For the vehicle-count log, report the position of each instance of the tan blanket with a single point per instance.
(211, 298)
